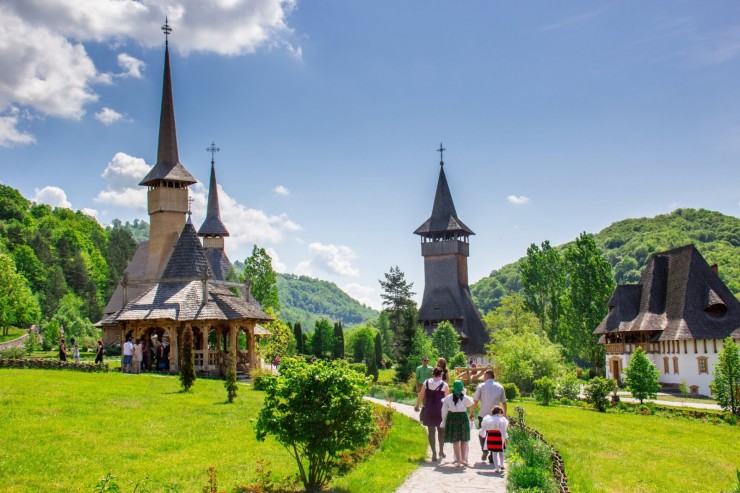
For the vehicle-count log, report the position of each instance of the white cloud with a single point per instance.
(90, 212)
(122, 175)
(281, 190)
(363, 294)
(52, 74)
(277, 265)
(518, 200)
(53, 196)
(108, 116)
(131, 66)
(331, 259)
(9, 133)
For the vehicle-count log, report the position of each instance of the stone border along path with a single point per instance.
(443, 476)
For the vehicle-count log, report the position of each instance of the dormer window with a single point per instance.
(714, 306)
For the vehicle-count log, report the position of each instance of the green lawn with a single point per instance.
(13, 333)
(62, 430)
(386, 375)
(631, 453)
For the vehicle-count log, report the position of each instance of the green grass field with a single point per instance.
(13, 333)
(63, 430)
(631, 453)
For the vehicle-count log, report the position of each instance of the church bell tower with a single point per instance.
(167, 182)
(445, 247)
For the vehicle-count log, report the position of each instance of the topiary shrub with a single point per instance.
(187, 362)
(230, 383)
(511, 391)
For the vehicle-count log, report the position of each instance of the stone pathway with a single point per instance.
(625, 396)
(443, 476)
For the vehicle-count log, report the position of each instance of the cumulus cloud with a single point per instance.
(90, 212)
(53, 196)
(364, 294)
(108, 116)
(281, 190)
(331, 259)
(277, 265)
(518, 200)
(53, 75)
(131, 66)
(122, 176)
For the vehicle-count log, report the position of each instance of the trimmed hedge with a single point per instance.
(51, 364)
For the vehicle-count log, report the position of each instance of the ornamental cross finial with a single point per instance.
(190, 207)
(441, 151)
(213, 150)
(166, 29)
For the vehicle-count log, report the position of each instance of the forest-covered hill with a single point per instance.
(627, 244)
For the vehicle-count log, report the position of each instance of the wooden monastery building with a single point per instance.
(679, 313)
(445, 247)
(174, 280)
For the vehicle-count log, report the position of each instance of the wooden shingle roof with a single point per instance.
(679, 295)
(444, 216)
(213, 226)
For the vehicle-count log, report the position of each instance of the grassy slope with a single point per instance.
(13, 333)
(631, 453)
(61, 431)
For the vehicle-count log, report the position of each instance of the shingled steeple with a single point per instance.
(167, 181)
(445, 247)
(213, 226)
(213, 230)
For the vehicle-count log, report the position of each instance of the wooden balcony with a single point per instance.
(615, 348)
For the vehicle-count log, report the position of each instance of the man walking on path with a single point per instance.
(423, 373)
(489, 393)
(128, 355)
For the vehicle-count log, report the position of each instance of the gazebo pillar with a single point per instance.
(251, 347)
(219, 344)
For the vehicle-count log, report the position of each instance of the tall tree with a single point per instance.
(322, 342)
(543, 282)
(121, 249)
(264, 281)
(726, 383)
(446, 340)
(18, 305)
(338, 349)
(299, 339)
(642, 376)
(397, 302)
(407, 358)
(280, 342)
(590, 284)
(378, 350)
(385, 332)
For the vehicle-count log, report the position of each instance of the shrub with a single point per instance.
(31, 343)
(597, 392)
(360, 368)
(260, 379)
(683, 388)
(530, 479)
(372, 371)
(564, 401)
(544, 390)
(511, 391)
(532, 471)
(13, 353)
(112, 349)
(230, 383)
(300, 410)
(457, 361)
(187, 363)
(644, 410)
(568, 387)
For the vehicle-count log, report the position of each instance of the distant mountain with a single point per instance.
(627, 244)
(305, 299)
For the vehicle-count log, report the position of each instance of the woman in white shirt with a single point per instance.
(455, 418)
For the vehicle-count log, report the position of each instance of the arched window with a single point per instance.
(666, 369)
(675, 364)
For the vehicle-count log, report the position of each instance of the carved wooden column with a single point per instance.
(251, 345)
(174, 354)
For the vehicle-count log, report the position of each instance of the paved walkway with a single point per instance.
(442, 476)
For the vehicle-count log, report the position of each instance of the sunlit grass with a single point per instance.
(13, 333)
(612, 452)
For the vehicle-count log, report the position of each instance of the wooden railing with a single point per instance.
(468, 374)
(615, 348)
(622, 348)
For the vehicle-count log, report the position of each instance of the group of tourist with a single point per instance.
(138, 357)
(448, 415)
(76, 350)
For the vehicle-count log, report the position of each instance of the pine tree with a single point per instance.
(405, 363)
(299, 339)
(187, 363)
(378, 350)
(397, 301)
(338, 350)
(230, 383)
(642, 376)
(385, 332)
(726, 383)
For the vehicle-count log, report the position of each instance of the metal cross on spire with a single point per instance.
(166, 29)
(190, 208)
(213, 150)
(441, 151)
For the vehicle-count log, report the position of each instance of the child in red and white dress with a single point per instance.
(493, 429)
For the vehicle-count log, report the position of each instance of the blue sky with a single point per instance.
(558, 117)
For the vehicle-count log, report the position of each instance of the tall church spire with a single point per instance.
(168, 165)
(213, 226)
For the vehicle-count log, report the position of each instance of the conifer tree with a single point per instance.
(378, 350)
(726, 383)
(397, 301)
(642, 376)
(187, 363)
(230, 383)
(338, 350)
(299, 339)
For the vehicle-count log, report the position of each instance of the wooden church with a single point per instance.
(445, 247)
(174, 279)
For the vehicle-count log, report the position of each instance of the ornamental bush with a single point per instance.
(230, 383)
(544, 390)
(597, 392)
(568, 387)
(316, 411)
(187, 362)
(511, 391)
